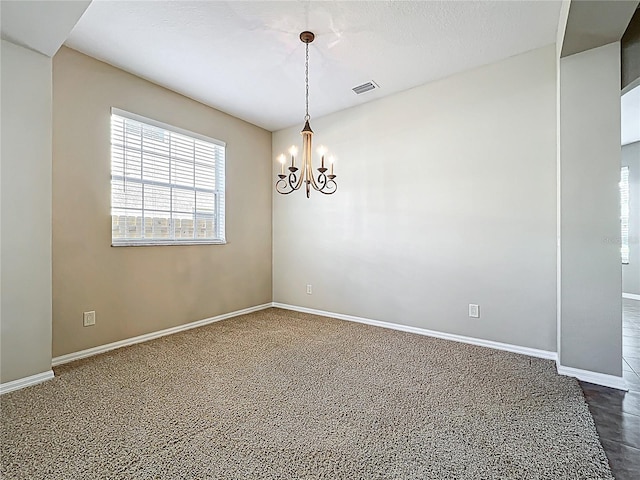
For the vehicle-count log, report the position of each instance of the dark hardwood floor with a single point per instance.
(617, 413)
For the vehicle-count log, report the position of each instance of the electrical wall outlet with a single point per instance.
(89, 318)
(474, 311)
(309, 290)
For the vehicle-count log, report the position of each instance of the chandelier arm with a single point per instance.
(327, 185)
(292, 183)
(298, 184)
(312, 180)
(282, 184)
(332, 188)
(282, 192)
(322, 182)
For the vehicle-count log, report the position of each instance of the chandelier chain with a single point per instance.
(306, 81)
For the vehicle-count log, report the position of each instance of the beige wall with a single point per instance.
(136, 290)
(591, 327)
(447, 196)
(26, 213)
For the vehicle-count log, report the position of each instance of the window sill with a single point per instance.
(129, 243)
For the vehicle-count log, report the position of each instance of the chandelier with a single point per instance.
(323, 183)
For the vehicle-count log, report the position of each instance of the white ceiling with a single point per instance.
(245, 58)
(40, 25)
(631, 116)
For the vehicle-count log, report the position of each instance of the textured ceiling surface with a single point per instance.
(245, 58)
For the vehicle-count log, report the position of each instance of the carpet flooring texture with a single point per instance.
(286, 395)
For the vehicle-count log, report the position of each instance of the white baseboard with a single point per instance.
(603, 379)
(631, 296)
(584, 375)
(532, 352)
(25, 382)
(70, 357)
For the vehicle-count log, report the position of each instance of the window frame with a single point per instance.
(625, 205)
(219, 189)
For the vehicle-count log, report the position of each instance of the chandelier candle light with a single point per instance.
(288, 183)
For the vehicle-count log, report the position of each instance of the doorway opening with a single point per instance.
(630, 237)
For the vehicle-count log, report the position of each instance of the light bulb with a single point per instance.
(293, 150)
(282, 159)
(322, 150)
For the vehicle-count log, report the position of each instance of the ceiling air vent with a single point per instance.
(365, 87)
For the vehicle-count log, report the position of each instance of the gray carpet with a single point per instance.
(278, 394)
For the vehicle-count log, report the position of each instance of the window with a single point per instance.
(624, 214)
(167, 184)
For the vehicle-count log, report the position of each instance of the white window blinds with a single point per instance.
(167, 184)
(624, 214)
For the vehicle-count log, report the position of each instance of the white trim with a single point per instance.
(584, 375)
(564, 12)
(147, 242)
(70, 357)
(532, 352)
(631, 296)
(593, 377)
(25, 382)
